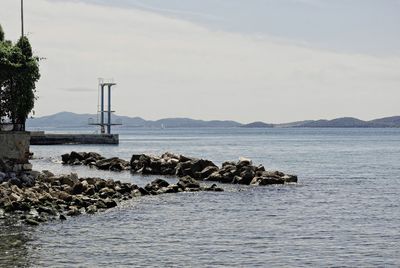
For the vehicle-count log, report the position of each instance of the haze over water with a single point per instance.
(343, 212)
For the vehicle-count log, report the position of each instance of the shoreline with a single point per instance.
(37, 197)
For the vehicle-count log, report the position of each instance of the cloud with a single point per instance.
(166, 67)
(78, 89)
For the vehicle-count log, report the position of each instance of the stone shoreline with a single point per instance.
(169, 164)
(37, 197)
(50, 197)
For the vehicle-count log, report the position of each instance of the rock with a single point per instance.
(110, 203)
(216, 176)
(76, 156)
(90, 190)
(105, 163)
(244, 162)
(62, 217)
(290, 178)
(92, 209)
(183, 158)
(169, 155)
(69, 180)
(105, 192)
(65, 158)
(91, 181)
(15, 181)
(213, 188)
(31, 221)
(172, 188)
(188, 182)
(160, 183)
(77, 188)
(206, 172)
(27, 180)
(15, 197)
(100, 204)
(246, 177)
(2, 176)
(266, 181)
(73, 211)
(27, 167)
(228, 163)
(47, 210)
(143, 191)
(100, 184)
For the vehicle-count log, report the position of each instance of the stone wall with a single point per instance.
(15, 145)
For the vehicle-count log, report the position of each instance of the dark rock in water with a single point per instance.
(73, 211)
(76, 156)
(161, 183)
(266, 181)
(213, 188)
(290, 178)
(244, 162)
(188, 182)
(246, 177)
(62, 217)
(92, 209)
(228, 163)
(110, 203)
(242, 172)
(31, 221)
(206, 172)
(65, 158)
(143, 191)
(105, 163)
(216, 176)
(47, 210)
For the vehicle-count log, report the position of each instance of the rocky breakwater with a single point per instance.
(169, 164)
(95, 160)
(241, 172)
(51, 197)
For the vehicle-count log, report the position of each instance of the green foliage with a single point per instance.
(19, 72)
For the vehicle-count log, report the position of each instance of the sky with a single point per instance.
(255, 60)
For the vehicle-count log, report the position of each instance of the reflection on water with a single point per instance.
(14, 237)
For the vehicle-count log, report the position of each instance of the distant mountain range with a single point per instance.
(72, 120)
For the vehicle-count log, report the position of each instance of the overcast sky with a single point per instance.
(246, 60)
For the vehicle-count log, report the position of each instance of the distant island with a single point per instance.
(73, 120)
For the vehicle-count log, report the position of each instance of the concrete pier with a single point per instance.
(41, 138)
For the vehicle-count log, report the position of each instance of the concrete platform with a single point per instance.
(41, 138)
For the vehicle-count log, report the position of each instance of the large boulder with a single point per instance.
(261, 181)
(206, 172)
(188, 182)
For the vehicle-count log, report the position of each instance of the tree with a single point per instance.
(19, 72)
(1, 34)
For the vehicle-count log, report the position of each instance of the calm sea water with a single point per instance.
(343, 213)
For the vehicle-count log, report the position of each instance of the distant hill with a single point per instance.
(344, 122)
(72, 120)
(350, 122)
(258, 125)
(393, 121)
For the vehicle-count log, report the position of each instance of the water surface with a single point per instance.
(343, 212)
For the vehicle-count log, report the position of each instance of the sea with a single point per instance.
(344, 211)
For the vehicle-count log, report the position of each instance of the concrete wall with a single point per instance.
(15, 145)
(40, 138)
